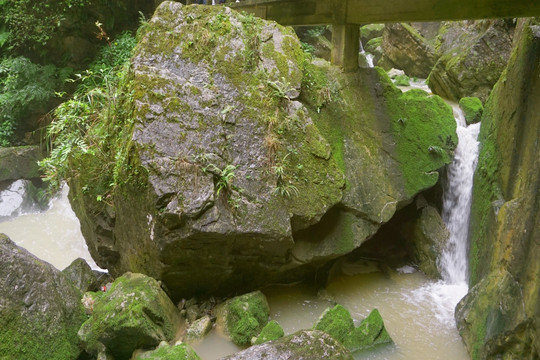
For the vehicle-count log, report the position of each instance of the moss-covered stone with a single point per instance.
(402, 80)
(471, 57)
(167, 352)
(337, 322)
(243, 317)
(425, 133)
(304, 344)
(371, 31)
(20, 162)
(134, 313)
(199, 328)
(40, 310)
(369, 333)
(497, 318)
(271, 331)
(472, 109)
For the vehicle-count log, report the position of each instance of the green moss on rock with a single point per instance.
(370, 332)
(337, 322)
(472, 109)
(134, 313)
(424, 129)
(166, 352)
(244, 316)
(271, 331)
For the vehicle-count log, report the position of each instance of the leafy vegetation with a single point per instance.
(25, 88)
(96, 119)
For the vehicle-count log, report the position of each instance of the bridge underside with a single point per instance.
(347, 15)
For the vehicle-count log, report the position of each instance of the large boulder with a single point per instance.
(167, 352)
(405, 48)
(500, 317)
(304, 344)
(40, 310)
(239, 152)
(371, 332)
(337, 322)
(134, 313)
(471, 57)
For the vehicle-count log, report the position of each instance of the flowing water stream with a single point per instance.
(418, 312)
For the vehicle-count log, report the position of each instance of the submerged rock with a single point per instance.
(499, 318)
(40, 310)
(243, 317)
(304, 344)
(134, 313)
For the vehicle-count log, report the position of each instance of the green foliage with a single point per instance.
(95, 125)
(316, 31)
(28, 25)
(25, 88)
(224, 176)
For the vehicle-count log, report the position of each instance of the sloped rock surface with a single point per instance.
(406, 49)
(305, 344)
(40, 310)
(500, 317)
(472, 56)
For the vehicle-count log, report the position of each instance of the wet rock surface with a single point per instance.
(40, 310)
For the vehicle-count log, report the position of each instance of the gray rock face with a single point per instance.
(303, 345)
(472, 56)
(239, 154)
(406, 49)
(500, 317)
(19, 162)
(84, 278)
(40, 310)
(234, 165)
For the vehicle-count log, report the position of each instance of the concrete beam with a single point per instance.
(314, 12)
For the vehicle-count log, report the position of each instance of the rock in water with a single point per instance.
(134, 313)
(370, 332)
(238, 152)
(40, 309)
(271, 331)
(243, 317)
(302, 345)
(500, 317)
(472, 109)
(337, 322)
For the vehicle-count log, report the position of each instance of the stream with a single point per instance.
(418, 312)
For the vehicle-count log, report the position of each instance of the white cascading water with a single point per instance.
(457, 201)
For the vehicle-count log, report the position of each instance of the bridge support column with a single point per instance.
(345, 46)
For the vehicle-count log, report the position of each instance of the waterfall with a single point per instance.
(457, 201)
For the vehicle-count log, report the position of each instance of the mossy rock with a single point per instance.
(472, 109)
(337, 322)
(134, 313)
(271, 331)
(40, 309)
(243, 317)
(167, 352)
(402, 80)
(370, 332)
(424, 129)
(302, 345)
(371, 31)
